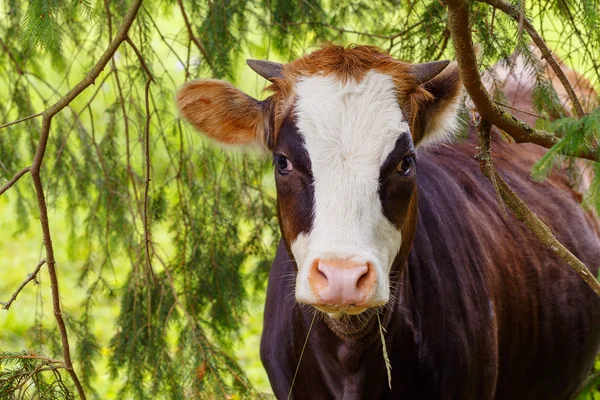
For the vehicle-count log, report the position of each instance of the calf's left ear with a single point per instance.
(435, 107)
(225, 113)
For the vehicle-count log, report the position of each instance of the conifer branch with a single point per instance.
(586, 46)
(32, 356)
(12, 57)
(343, 31)
(459, 25)
(77, 120)
(444, 45)
(39, 189)
(43, 209)
(194, 38)
(518, 15)
(14, 179)
(147, 238)
(90, 78)
(164, 40)
(30, 277)
(140, 58)
(522, 211)
(190, 318)
(130, 172)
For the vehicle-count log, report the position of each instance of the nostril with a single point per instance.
(366, 278)
(322, 274)
(320, 277)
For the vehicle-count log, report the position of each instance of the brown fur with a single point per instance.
(223, 112)
(517, 85)
(581, 85)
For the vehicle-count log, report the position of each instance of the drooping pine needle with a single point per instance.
(301, 354)
(388, 365)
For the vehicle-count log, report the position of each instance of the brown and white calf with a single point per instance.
(376, 221)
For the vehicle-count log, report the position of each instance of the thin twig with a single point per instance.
(520, 110)
(30, 277)
(20, 120)
(140, 58)
(524, 214)
(440, 53)
(194, 38)
(14, 179)
(164, 39)
(77, 120)
(12, 57)
(130, 172)
(586, 47)
(521, 19)
(147, 238)
(485, 164)
(518, 15)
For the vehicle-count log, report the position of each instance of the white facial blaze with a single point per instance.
(348, 130)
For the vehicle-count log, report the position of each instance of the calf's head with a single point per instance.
(342, 125)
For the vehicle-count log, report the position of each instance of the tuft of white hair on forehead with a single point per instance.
(348, 129)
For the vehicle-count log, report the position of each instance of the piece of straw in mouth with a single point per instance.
(301, 354)
(388, 365)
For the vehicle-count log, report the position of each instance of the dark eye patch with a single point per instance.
(403, 148)
(291, 144)
(395, 189)
(295, 191)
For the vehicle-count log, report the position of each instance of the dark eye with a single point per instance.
(284, 166)
(406, 165)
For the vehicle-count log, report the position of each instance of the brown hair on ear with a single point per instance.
(435, 107)
(225, 113)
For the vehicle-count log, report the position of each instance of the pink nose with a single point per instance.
(342, 282)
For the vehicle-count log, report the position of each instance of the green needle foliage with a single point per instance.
(194, 237)
(26, 375)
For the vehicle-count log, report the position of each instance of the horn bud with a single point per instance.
(266, 69)
(427, 71)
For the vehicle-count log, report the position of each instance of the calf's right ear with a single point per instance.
(225, 113)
